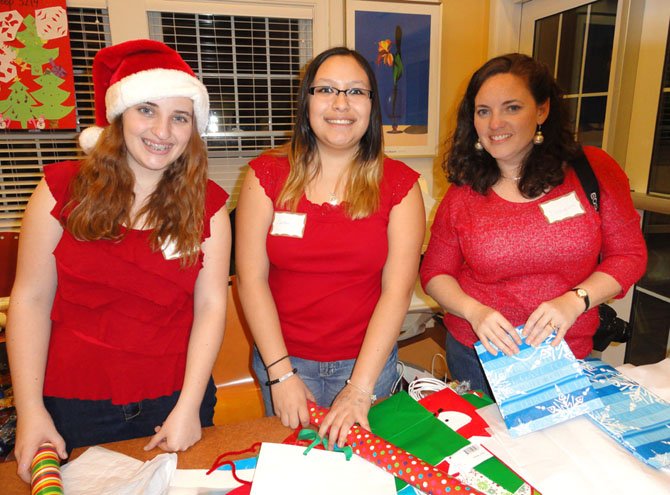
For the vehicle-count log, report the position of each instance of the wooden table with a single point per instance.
(215, 440)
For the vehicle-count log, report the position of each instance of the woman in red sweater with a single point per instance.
(328, 236)
(118, 309)
(515, 240)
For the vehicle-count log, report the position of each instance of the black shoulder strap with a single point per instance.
(587, 178)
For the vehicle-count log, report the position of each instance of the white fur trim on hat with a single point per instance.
(89, 137)
(155, 84)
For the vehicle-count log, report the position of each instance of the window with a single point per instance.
(23, 154)
(577, 44)
(659, 172)
(251, 67)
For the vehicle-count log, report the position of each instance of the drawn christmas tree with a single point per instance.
(51, 96)
(19, 105)
(33, 51)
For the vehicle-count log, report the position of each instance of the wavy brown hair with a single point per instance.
(364, 174)
(543, 166)
(102, 196)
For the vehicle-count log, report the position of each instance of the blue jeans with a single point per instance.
(464, 365)
(326, 379)
(91, 422)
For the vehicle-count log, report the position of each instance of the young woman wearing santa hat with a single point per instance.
(118, 308)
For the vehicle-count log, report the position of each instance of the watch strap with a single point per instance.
(584, 295)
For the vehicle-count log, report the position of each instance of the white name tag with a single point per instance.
(566, 206)
(288, 224)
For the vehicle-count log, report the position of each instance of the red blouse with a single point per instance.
(509, 257)
(122, 314)
(326, 284)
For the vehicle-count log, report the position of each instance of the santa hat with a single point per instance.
(137, 71)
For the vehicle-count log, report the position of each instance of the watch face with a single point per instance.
(581, 293)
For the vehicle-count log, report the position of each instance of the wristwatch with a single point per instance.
(582, 294)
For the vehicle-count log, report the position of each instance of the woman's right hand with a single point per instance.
(494, 331)
(32, 430)
(289, 399)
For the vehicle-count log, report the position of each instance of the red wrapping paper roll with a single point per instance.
(45, 468)
(395, 460)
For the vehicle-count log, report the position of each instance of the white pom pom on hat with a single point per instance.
(137, 71)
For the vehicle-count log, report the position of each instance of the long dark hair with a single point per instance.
(543, 167)
(362, 189)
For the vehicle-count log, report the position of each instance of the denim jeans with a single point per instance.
(90, 422)
(464, 365)
(326, 379)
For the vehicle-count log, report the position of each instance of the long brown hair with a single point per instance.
(102, 196)
(543, 167)
(364, 174)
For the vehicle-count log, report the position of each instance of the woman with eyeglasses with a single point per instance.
(329, 233)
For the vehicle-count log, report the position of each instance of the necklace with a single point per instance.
(333, 200)
(515, 179)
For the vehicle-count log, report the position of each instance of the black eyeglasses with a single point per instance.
(329, 92)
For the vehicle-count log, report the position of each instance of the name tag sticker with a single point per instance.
(567, 206)
(169, 249)
(288, 224)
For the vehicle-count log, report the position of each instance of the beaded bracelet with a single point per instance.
(288, 375)
(277, 361)
(373, 397)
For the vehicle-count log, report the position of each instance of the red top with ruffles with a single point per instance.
(509, 257)
(122, 314)
(326, 284)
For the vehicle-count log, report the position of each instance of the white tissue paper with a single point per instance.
(101, 471)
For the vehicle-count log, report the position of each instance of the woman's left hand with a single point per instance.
(349, 407)
(555, 315)
(180, 431)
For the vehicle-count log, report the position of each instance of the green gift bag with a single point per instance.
(404, 422)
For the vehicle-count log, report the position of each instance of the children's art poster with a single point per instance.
(36, 80)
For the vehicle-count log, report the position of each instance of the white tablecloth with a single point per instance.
(576, 457)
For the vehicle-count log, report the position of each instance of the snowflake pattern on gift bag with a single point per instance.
(632, 415)
(538, 387)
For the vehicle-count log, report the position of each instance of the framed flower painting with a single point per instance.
(402, 43)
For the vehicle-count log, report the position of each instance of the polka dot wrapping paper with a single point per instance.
(45, 469)
(397, 461)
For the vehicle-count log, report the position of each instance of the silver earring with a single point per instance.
(478, 145)
(538, 138)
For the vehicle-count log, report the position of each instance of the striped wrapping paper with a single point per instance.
(538, 387)
(635, 417)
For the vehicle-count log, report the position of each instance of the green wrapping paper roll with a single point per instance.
(45, 470)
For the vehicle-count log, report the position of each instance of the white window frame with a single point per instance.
(631, 118)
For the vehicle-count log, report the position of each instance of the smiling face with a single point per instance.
(506, 118)
(339, 121)
(156, 133)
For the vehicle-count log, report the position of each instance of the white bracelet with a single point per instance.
(282, 378)
(373, 397)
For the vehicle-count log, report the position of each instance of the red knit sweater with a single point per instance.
(509, 257)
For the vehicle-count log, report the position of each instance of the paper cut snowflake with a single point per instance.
(51, 22)
(10, 22)
(7, 67)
